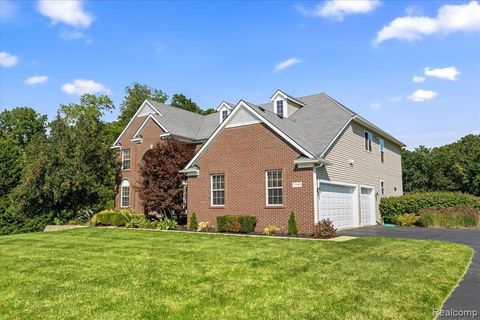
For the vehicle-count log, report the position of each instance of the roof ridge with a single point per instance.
(170, 106)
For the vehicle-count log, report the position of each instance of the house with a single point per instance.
(310, 155)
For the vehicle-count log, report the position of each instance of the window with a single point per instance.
(280, 108)
(382, 150)
(382, 187)
(274, 187)
(224, 114)
(218, 190)
(125, 194)
(125, 159)
(368, 141)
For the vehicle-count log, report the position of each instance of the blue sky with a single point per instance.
(363, 53)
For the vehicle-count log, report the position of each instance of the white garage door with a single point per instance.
(367, 206)
(337, 203)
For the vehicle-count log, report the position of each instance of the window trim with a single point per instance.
(129, 159)
(370, 139)
(381, 148)
(277, 205)
(283, 107)
(224, 114)
(382, 187)
(124, 184)
(211, 190)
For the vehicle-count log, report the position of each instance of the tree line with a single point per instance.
(452, 167)
(64, 170)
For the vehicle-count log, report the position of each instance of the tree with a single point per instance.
(134, 97)
(161, 188)
(22, 124)
(179, 100)
(452, 167)
(71, 170)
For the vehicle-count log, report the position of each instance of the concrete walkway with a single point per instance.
(466, 297)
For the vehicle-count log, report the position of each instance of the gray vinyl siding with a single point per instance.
(367, 168)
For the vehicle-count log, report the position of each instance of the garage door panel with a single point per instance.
(337, 203)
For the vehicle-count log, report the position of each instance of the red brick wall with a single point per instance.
(243, 154)
(151, 135)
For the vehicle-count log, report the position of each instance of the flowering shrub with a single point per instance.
(271, 230)
(205, 226)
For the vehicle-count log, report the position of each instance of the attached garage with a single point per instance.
(339, 203)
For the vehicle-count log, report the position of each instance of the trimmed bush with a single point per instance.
(236, 223)
(292, 225)
(193, 225)
(247, 224)
(406, 220)
(414, 202)
(324, 229)
(450, 218)
(117, 218)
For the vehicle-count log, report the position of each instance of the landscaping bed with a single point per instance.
(432, 209)
(113, 273)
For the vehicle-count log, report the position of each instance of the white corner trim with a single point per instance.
(334, 140)
(220, 128)
(286, 96)
(224, 104)
(134, 116)
(315, 196)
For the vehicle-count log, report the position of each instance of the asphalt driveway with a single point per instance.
(467, 295)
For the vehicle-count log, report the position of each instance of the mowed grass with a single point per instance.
(96, 273)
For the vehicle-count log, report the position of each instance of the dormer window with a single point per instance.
(224, 114)
(280, 108)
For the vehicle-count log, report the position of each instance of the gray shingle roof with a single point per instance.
(313, 126)
(184, 123)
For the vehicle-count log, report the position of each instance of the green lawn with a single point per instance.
(131, 274)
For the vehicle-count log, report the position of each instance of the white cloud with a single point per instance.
(69, 12)
(82, 86)
(7, 9)
(285, 64)
(337, 9)
(418, 79)
(375, 106)
(450, 18)
(36, 80)
(7, 60)
(413, 10)
(422, 95)
(450, 73)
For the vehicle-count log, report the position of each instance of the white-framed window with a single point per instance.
(218, 189)
(368, 141)
(382, 150)
(125, 194)
(274, 186)
(224, 114)
(125, 159)
(280, 108)
(382, 188)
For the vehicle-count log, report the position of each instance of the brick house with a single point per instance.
(310, 155)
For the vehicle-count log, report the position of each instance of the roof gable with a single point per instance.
(248, 114)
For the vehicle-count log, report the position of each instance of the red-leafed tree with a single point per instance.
(161, 187)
